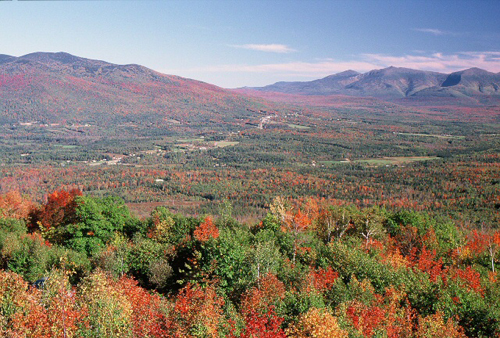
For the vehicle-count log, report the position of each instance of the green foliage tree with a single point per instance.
(96, 221)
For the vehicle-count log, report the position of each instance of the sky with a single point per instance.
(236, 43)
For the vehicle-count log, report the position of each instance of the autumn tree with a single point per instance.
(59, 210)
(292, 221)
(317, 323)
(195, 311)
(436, 326)
(109, 310)
(206, 230)
(147, 318)
(335, 222)
(13, 205)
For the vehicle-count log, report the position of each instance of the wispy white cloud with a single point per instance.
(291, 69)
(432, 31)
(272, 48)
(272, 72)
(440, 62)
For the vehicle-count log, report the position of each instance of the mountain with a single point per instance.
(55, 87)
(393, 82)
(473, 82)
(329, 85)
(396, 83)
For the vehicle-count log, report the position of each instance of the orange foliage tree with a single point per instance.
(60, 206)
(195, 309)
(436, 326)
(206, 230)
(13, 205)
(148, 319)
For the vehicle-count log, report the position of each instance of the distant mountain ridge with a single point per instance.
(62, 88)
(396, 83)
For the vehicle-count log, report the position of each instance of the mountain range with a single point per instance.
(60, 87)
(396, 83)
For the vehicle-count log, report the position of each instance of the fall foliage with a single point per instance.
(390, 274)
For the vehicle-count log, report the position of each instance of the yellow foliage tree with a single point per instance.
(317, 323)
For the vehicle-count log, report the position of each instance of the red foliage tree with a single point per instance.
(206, 230)
(147, 318)
(322, 279)
(268, 293)
(195, 307)
(365, 319)
(262, 325)
(426, 262)
(470, 277)
(60, 206)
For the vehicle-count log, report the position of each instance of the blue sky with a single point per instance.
(234, 43)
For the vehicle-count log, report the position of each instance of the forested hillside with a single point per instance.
(308, 268)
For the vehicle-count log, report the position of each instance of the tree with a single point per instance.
(59, 210)
(196, 311)
(335, 221)
(262, 325)
(369, 223)
(265, 256)
(435, 326)
(206, 230)
(109, 310)
(317, 323)
(294, 222)
(95, 223)
(13, 205)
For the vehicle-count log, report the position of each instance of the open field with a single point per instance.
(396, 160)
(430, 135)
(222, 144)
(190, 140)
(297, 126)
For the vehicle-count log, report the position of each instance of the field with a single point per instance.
(438, 136)
(396, 160)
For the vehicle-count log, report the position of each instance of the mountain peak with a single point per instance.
(348, 72)
(62, 58)
(344, 74)
(476, 71)
(48, 56)
(5, 58)
(404, 70)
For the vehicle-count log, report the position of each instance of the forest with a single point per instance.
(348, 219)
(84, 266)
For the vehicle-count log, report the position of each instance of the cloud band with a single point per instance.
(271, 48)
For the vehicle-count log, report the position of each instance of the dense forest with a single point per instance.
(83, 266)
